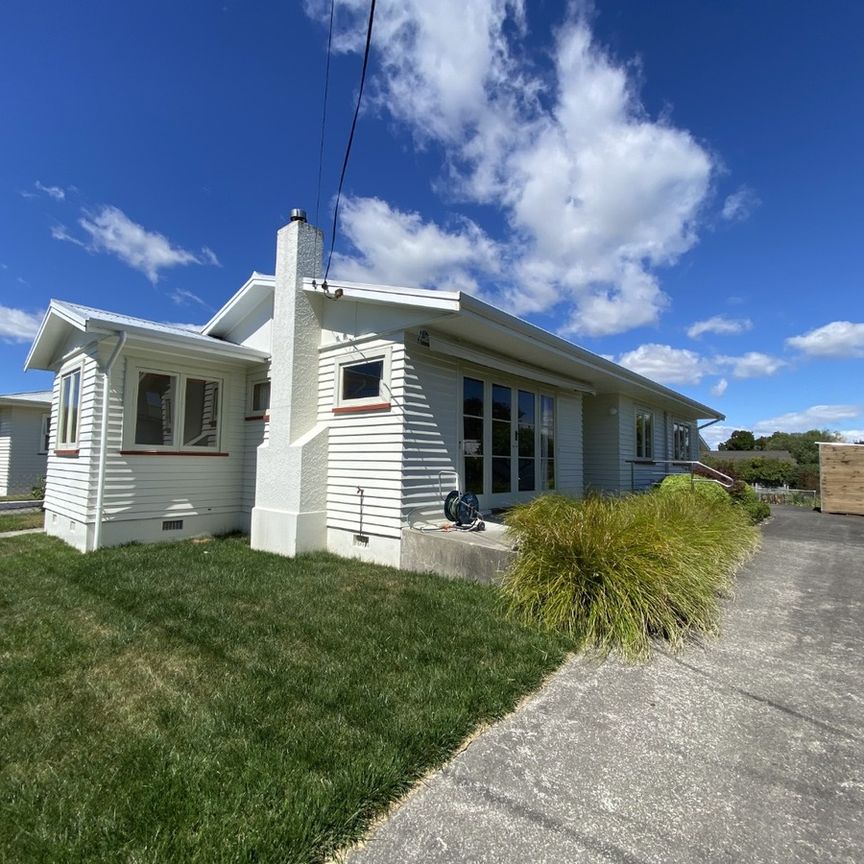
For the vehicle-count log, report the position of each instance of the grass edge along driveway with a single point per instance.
(204, 702)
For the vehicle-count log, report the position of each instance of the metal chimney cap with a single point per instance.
(298, 215)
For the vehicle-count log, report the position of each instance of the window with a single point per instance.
(70, 399)
(644, 434)
(45, 435)
(260, 397)
(201, 415)
(547, 442)
(362, 380)
(174, 409)
(681, 441)
(472, 434)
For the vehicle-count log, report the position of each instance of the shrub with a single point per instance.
(38, 490)
(614, 574)
(746, 498)
(707, 489)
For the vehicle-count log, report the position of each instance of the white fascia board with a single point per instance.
(56, 309)
(36, 404)
(440, 345)
(512, 325)
(192, 343)
(254, 280)
(394, 296)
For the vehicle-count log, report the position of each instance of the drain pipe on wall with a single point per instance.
(103, 437)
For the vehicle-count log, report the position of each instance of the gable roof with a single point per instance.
(35, 399)
(63, 318)
(257, 288)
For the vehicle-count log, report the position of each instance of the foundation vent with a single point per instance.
(172, 525)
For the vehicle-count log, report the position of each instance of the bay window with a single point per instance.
(173, 410)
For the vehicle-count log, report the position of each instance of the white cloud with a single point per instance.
(715, 434)
(209, 257)
(753, 364)
(837, 339)
(596, 194)
(110, 230)
(16, 325)
(720, 325)
(182, 297)
(400, 248)
(665, 364)
(720, 387)
(853, 436)
(740, 204)
(58, 193)
(815, 417)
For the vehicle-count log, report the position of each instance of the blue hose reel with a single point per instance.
(463, 509)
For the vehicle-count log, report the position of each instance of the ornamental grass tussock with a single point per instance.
(614, 574)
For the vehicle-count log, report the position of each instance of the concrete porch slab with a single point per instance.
(478, 556)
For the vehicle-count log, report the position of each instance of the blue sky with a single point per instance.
(676, 185)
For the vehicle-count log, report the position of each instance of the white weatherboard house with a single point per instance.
(322, 418)
(24, 432)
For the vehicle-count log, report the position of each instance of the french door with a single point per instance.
(507, 441)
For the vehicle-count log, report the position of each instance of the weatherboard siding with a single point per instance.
(364, 464)
(601, 454)
(162, 486)
(70, 485)
(26, 464)
(431, 445)
(5, 448)
(570, 476)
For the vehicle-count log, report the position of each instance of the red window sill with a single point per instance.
(258, 417)
(168, 453)
(66, 452)
(354, 409)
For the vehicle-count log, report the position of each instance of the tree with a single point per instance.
(740, 439)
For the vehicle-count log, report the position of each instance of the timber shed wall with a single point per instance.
(841, 476)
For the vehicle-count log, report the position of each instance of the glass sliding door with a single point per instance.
(508, 441)
(526, 480)
(473, 403)
(502, 438)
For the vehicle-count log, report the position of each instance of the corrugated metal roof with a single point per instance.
(41, 397)
(87, 313)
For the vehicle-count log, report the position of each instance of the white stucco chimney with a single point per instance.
(290, 494)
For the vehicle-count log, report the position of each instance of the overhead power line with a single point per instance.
(351, 136)
(324, 111)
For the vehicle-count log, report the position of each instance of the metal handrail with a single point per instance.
(726, 482)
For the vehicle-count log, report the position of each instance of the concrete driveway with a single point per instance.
(747, 751)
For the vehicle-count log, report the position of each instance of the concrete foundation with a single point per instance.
(478, 556)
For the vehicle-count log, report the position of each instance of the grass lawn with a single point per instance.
(12, 521)
(201, 702)
(24, 496)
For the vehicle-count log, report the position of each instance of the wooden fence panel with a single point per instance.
(841, 476)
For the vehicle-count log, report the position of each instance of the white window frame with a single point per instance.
(45, 434)
(356, 358)
(134, 373)
(251, 411)
(688, 455)
(63, 408)
(649, 439)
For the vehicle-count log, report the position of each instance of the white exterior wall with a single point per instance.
(365, 452)
(142, 490)
(569, 444)
(22, 459)
(70, 485)
(601, 443)
(431, 441)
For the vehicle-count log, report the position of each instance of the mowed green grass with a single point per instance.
(201, 702)
(12, 521)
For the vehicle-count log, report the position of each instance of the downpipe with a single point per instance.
(103, 437)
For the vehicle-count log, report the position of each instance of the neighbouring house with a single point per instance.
(25, 420)
(747, 455)
(322, 416)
